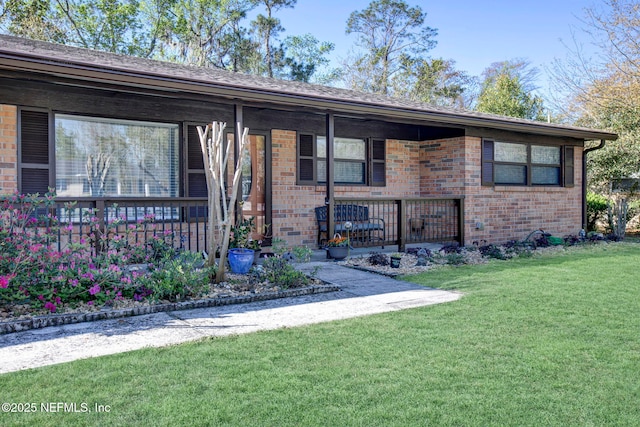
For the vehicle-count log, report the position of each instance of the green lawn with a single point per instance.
(540, 341)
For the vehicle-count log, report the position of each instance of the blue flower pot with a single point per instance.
(240, 260)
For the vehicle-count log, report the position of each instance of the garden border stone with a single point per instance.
(39, 322)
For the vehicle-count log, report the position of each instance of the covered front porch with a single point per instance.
(182, 222)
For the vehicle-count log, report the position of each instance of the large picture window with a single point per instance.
(107, 157)
(507, 163)
(357, 161)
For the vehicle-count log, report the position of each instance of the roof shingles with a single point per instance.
(38, 52)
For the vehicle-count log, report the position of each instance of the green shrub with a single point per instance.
(280, 272)
(455, 258)
(302, 253)
(177, 278)
(597, 206)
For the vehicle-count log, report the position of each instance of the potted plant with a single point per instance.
(338, 247)
(395, 260)
(241, 257)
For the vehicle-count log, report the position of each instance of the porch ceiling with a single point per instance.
(93, 68)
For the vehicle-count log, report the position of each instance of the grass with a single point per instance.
(550, 340)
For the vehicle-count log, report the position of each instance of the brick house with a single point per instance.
(104, 127)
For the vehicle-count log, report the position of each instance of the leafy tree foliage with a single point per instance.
(31, 19)
(120, 26)
(602, 90)
(391, 35)
(306, 60)
(506, 91)
(211, 33)
(267, 27)
(434, 81)
(208, 33)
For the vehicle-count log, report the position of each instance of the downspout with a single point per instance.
(584, 180)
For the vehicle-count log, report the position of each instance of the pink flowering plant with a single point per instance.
(92, 267)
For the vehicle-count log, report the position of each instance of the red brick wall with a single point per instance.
(440, 168)
(293, 205)
(452, 167)
(8, 149)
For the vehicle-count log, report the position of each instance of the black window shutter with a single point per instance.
(487, 162)
(196, 179)
(34, 152)
(378, 177)
(569, 167)
(197, 185)
(34, 181)
(194, 151)
(306, 159)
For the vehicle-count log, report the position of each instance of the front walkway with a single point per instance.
(362, 294)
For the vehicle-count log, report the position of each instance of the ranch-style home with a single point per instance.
(106, 129)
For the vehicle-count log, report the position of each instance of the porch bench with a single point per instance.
(361, 224)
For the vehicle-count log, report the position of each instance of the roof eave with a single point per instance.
(167, 83)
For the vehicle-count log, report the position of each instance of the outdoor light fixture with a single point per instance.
(348, 226)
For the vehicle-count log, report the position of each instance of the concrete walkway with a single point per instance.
(362, 294)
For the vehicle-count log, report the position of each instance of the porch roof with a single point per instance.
(89, 67)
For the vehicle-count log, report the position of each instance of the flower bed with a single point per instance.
(223, 294)
(106, 270)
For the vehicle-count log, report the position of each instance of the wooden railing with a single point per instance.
(408, 221)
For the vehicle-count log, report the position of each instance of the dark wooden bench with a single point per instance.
(362, 226)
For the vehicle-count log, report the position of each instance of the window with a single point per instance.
(107, 157)
(356, 161)
(507, 163)
(349, 160)
(94, 157)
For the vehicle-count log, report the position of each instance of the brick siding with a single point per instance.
(439, 168)
(8, 149)
(293, 205)
(511, 213)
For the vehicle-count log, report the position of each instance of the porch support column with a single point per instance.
(330, 129)
(237, 135)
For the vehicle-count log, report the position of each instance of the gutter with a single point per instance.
(584, 180)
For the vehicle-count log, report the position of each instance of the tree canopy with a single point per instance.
(389, 34)
(121, 26)
(507, 90)
(602, 90)
(210, 33)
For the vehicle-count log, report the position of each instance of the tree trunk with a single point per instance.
(215, 152)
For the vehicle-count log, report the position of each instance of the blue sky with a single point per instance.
(472, 33)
